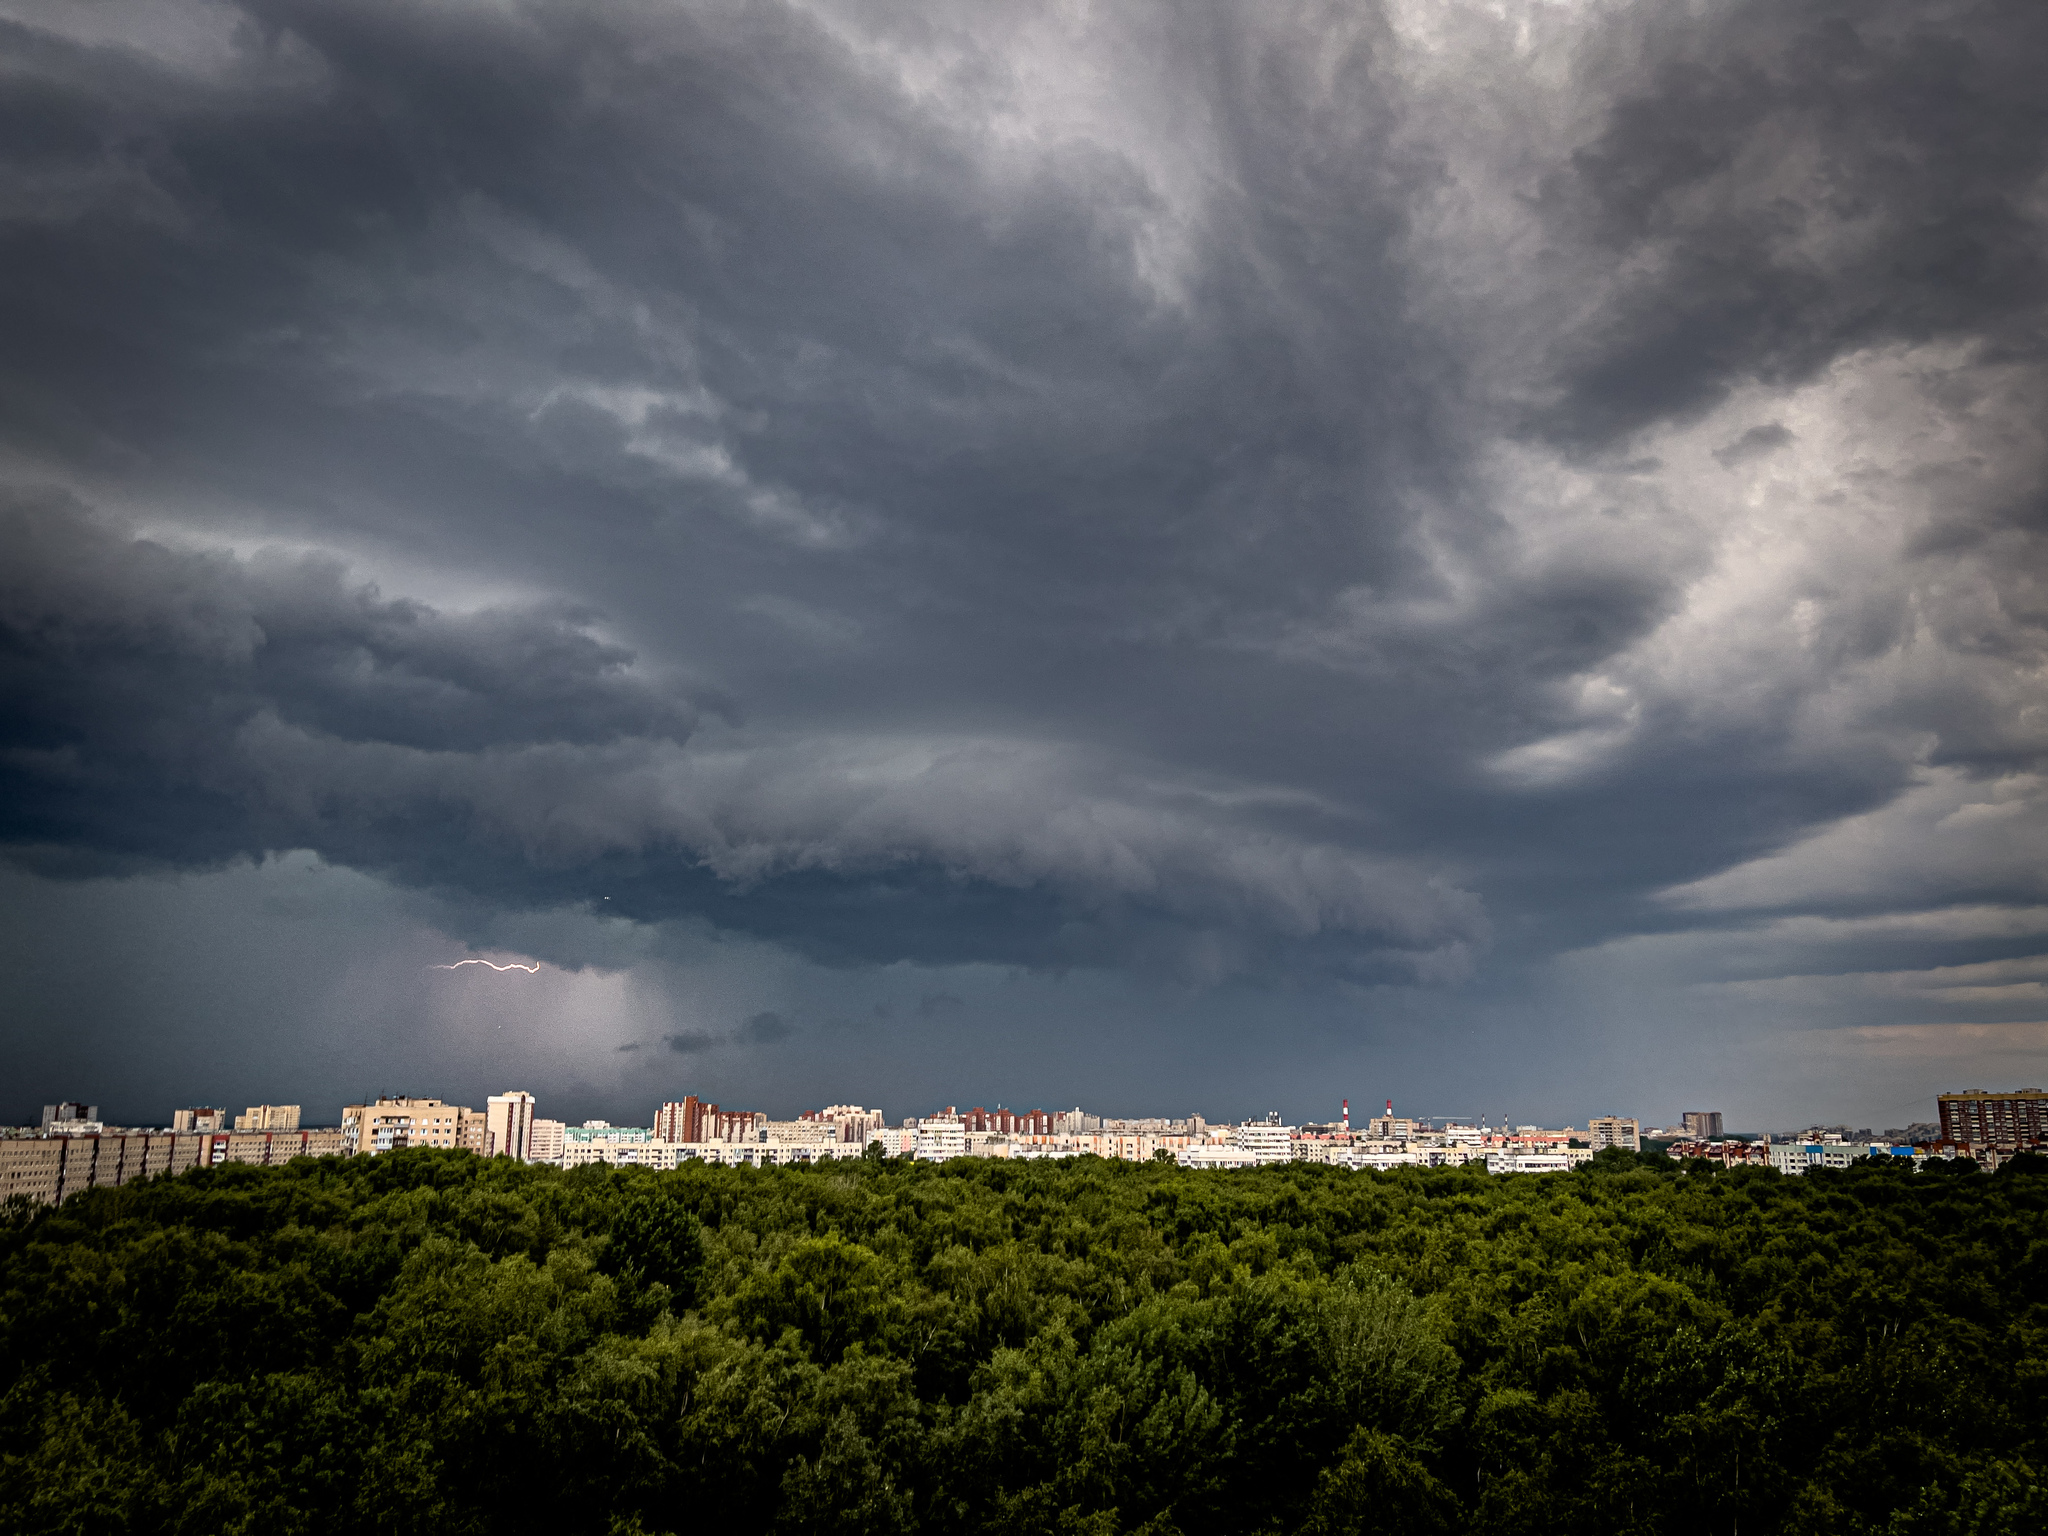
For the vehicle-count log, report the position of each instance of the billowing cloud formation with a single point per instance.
(1391, 492)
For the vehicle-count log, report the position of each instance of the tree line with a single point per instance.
(427, 1341)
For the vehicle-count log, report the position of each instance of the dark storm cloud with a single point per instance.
(1754, 443)
(763, 1028)
(1779, 184)
(1213, 490)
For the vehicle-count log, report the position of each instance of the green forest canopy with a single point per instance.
(429, 1341)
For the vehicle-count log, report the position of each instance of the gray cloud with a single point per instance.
(764, 1028)
(1754, 444)
(1294, 496)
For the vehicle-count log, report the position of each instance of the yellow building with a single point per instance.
(51, 1169)
(268, 1117)
(391, 1123)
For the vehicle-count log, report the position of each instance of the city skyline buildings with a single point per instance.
(512, 1119)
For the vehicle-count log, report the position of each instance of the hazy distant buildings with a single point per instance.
(58, 1118)
(1978, 1116)
(1702, 1124)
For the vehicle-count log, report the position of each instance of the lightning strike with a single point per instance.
(458, 965)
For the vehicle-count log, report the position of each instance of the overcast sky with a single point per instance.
(1168, 557)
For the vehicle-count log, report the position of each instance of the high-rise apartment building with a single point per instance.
(61, 1117)
(268, 1117)
(1615, 1131)
(508, 1124)
(1702, 1124)
(940, 1137)
(199, 1119)
(547, 1143)
(2017, 1118)
(391, 1123)
(689, 1119)
(679, 1120)
(852, 1124)
(1267, 1140)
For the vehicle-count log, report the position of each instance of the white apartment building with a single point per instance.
(598, 1141)
(547, 1141)
(939, 1138)
(1209, 1154)
(1380, 1160)
(1267, 1140)
(854, 1124)
(508, 1125)
(1527, 1162)
(799, 1133)
(1605, 1131)
(894, 1141)
(1797, 1157)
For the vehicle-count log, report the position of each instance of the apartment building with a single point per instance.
(940, 1137)
(268, 1117)
(1267, 1140)
(548, 1141)
(1528, 1162)
(391, 1123)
(679, 1119)
(689, 1120)
(853, 1123)
(508, 1125)
(1605, 1131)
(1701, 1124)
(1980, 1117)
(799, 1133)
(199, 1119)
(1211, 1154)
(50, 1169)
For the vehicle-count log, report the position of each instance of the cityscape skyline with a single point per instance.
(1689, 1122)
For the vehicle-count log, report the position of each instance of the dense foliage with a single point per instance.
(427, 1341)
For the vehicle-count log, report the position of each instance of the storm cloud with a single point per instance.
(1473, 517)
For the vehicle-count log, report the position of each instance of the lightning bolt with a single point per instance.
(458, 965)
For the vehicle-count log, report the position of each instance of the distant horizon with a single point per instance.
(893, 1117)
